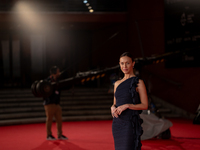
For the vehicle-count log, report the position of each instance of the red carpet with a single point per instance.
(93, 135)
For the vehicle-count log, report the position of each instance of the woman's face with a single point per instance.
(126, 64)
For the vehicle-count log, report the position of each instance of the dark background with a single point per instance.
(182, 32)
(64, 33)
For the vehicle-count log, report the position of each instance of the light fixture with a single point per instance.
(85, 1)
(91, 10)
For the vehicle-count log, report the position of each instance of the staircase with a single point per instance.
(20, 106)
(167, 110)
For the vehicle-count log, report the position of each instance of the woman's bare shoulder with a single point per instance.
(117, 82)
(141, 83)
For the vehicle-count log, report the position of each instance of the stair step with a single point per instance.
(63, 102)
(158, 105)
(43, 119)
(168, 115)
(42, 113)
(70, 91)
(20, 106)
(163, 110)
(41, 108)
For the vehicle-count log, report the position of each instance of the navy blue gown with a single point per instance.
(127, 128)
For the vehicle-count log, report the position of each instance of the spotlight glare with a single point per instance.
(85, 1)
(91, 10)
(88, 4)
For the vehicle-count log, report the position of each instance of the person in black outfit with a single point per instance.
(130, 97)
(52, 107)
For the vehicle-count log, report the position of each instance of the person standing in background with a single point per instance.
(52, 107)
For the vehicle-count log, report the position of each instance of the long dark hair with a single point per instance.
(128, 54)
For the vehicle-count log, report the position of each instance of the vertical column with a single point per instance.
(6, 58)
(38, 55)
(1, 67)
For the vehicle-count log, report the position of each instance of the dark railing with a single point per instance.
(163, 78)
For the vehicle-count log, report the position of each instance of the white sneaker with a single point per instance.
(62, 137)
(51, 137)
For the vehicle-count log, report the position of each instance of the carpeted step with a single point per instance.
(20, 106)
(77, 104)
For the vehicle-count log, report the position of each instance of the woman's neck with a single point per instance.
(126, 76)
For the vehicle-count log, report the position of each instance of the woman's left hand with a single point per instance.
(121, 108)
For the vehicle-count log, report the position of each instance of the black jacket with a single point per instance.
(54, 98)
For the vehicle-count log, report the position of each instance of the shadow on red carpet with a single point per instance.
(60, 144)
(93, 135)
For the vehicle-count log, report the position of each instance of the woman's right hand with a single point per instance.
(113, 112)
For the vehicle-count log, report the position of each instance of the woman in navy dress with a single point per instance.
(130, 98)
